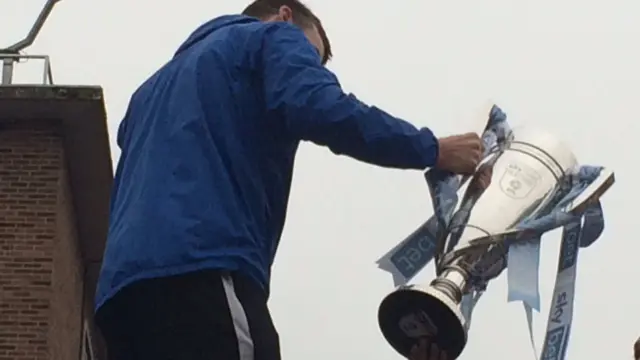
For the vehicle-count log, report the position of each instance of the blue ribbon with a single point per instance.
(581, 229)
(524, 256)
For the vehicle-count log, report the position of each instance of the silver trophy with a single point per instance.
(525, 177)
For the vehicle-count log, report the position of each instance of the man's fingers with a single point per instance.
(419, 351)
(424, 346)
(435, 351)
(485, 174)
(479, 144)
(485, 179)
(485, 182)
(478, 156)
(460, 154)
(471, 135)
(415, 353)
(475, 157)
(426, 350)
(474, 140)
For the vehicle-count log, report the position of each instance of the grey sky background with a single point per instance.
(570, 67)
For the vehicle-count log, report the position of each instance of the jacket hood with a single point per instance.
(207, 28)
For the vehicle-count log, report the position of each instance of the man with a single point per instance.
(201, 188)
(636, 350)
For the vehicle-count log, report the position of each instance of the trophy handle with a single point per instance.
(591, 194)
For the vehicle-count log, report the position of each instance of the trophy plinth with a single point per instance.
(415, 312)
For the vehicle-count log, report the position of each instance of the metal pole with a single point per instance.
(7, 70)
(35, 29)
(12, 53)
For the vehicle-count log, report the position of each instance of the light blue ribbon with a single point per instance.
(524, 256)
(581, 229)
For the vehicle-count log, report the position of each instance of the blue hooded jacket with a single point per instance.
(208, 145)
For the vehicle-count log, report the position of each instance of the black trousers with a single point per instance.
(206, 315)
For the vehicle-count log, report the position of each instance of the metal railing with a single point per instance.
(9, 61)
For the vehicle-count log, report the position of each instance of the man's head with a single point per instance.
(636, 350)
(295, 12)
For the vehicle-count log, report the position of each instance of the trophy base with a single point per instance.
(413, 313)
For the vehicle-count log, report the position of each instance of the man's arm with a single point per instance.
(308, 97)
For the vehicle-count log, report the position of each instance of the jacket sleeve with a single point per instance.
(309, 99)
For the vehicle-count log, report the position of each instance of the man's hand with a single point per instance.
(460, 154)
(427, 351)
(482, 180)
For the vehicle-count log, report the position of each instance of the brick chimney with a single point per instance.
(55, 178)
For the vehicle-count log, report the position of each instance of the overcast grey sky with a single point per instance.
(571, 67)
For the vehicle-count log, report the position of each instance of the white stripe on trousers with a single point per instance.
(240, 323)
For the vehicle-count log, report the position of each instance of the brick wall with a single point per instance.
(65, 329)
(40, 275)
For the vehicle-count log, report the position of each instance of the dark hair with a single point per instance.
(302, 16)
